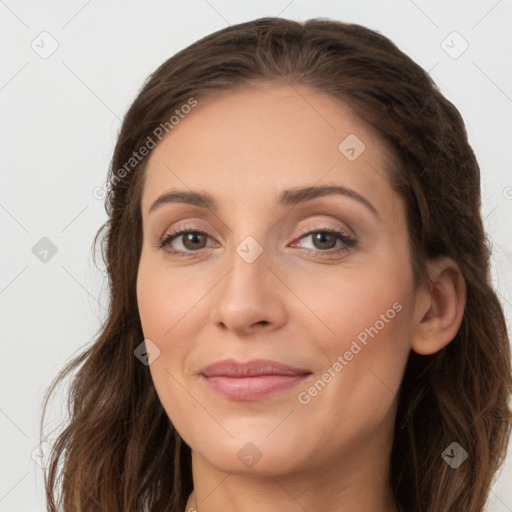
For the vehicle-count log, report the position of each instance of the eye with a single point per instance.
(324, 241)
(194, 240)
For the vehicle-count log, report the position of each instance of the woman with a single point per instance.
(301, 312)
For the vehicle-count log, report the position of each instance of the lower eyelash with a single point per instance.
(349, 242)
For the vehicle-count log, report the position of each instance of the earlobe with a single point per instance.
(440, 308)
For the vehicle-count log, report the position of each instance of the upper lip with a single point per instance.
(232, 368)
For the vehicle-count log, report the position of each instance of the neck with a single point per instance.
(192, 506)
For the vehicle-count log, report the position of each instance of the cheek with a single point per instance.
(362, 304)
(163, 308)
(164, 302)
(353, 395)
(171, 315)
(368, 319)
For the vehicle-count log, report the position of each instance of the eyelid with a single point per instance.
(324, 225)
(316, 224)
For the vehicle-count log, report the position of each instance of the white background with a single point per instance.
(60, 117)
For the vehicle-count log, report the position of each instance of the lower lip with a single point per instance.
(252, 388)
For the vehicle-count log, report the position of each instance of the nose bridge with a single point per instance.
(249, 240)
(248, 261)
(248, 293)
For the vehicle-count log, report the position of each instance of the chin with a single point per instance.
(254, 454)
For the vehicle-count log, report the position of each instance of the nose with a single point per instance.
(250, 297)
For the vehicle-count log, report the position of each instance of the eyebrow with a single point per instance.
(289, 197)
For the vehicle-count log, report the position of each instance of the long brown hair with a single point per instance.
(119, 450)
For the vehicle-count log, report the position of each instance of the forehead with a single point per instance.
(249, 144)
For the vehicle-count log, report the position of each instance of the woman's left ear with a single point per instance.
(440, 307)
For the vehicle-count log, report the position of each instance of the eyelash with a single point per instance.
(163, 243)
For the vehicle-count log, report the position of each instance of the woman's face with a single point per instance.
(321, 282)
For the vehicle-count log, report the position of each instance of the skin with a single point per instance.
(289, 305)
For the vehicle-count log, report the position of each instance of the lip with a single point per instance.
(252, 380)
